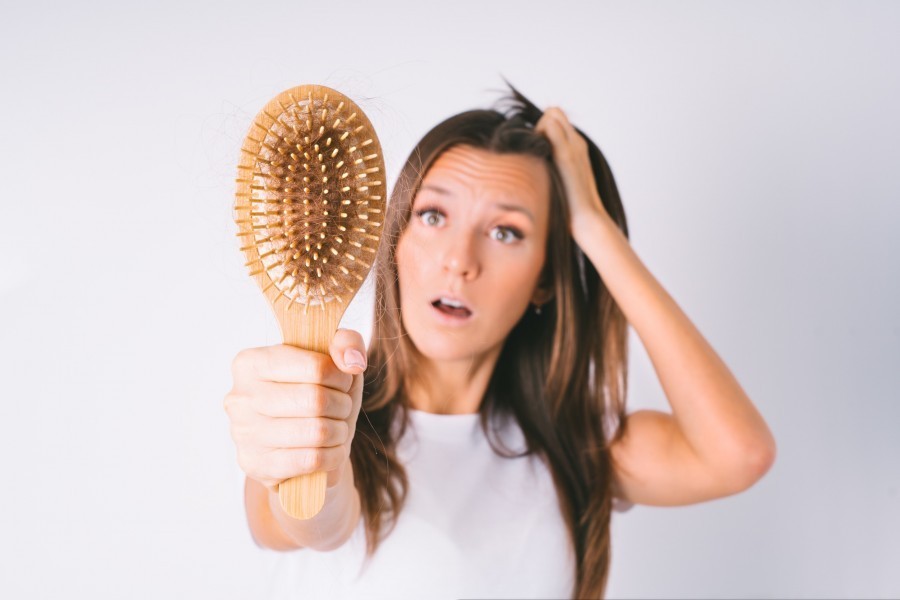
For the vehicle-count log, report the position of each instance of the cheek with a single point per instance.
(519, 283)
(519, 269)
(410, 265)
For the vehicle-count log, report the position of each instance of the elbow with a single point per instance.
(761, 460)
(755, 462)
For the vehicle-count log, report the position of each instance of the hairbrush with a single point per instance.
(309, 206)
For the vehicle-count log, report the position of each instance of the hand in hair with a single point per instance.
(570, 153)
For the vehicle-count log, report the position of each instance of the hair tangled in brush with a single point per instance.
(562, 376)
(311, 195)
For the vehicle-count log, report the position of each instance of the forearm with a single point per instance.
(272, 528)
(715, 416)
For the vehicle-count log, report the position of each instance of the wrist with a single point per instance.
(586, 223)
(333, 525)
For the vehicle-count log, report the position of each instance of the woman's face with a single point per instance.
(476, 237)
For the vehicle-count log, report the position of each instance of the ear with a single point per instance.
(542, 295)
(543, 292)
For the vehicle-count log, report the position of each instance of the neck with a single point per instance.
(451, 387)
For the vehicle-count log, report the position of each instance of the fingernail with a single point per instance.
(352, 358)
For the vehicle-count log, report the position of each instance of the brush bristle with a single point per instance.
(311, 195)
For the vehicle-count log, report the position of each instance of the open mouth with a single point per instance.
(452, 308)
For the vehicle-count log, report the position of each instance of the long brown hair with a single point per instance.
(562, 375)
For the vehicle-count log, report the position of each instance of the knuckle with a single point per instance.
(245, 366)
(244, 461)
(244, 360)
(228, 403)
(318, 432)
(240, 433)
(293, 463)
(336, 457)
(318, 400)
(311, 460)
(344, 406)
(343, 432)
(311, 400)
(249, 431)
(235, 432)
(347, 381)
(318, 368)
(243, 466)
(233, 401)
(267, 359)
(237, 363)
(277, 466)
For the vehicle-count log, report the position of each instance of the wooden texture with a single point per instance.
(302, 497)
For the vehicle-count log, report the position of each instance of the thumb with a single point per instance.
(348, 351)
(349, 354)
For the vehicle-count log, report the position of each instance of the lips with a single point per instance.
(451, 306)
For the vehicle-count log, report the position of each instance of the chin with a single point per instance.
(438, 344)
(443, 346)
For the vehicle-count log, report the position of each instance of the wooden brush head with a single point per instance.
(310, 198)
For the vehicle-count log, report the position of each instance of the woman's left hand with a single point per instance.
(570, 153)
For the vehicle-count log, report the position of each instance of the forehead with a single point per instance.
(473, 171)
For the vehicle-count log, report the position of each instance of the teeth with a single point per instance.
(452, 303)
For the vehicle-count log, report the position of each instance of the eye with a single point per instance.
(506, 235)
(430, 217)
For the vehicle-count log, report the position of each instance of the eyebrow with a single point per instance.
(510, 207)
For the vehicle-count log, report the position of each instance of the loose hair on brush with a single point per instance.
(561, 375)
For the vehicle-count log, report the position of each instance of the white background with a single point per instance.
(756, 149)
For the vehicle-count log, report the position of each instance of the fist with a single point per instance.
(294, 411)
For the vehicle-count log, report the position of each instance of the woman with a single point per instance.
(494, 440)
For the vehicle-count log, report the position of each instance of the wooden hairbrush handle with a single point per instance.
(303, 496)
(309, 208)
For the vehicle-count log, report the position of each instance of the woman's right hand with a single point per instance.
(294, 411)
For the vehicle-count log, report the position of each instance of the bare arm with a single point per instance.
(272, 528)
(715, 443)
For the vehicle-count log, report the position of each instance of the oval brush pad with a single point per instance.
(309, 208)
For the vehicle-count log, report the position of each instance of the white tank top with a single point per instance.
(474, 524)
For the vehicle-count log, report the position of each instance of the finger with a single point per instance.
(562, 119)
(286, 463)
(304, 433)
(300, 400)
(543, 123)
(334, 477)
(558, 113)
(355, 391)
(572, 134)
(289, 364)
(355, 396)
(565, 127)
(553, 129)
(348, 351)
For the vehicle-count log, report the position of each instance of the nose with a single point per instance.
(461, 258)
